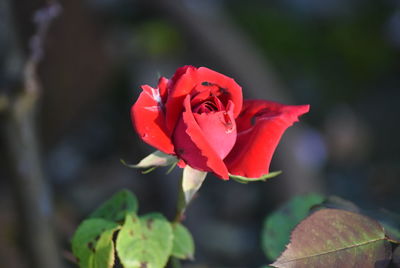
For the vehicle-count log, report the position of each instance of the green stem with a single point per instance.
(180, 205)
(175, 263)
(394, 241)
(180, 210)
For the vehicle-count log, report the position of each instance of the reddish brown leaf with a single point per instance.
(336, 238)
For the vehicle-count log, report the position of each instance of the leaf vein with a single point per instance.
(335, 250)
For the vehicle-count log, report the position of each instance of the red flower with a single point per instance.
(199, 116)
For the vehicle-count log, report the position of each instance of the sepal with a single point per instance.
(191, 182)
(154, 160)
(246, 180)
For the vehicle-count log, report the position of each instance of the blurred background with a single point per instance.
(70, 73)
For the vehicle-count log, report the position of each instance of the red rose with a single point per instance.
(199, 116)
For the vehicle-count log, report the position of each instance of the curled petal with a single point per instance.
(190, 80)
(227, 88)
(260, 127)
(148, 120)
(179, 72)
(162, 86)
(220, 128)
(193, 147)
(180, 85)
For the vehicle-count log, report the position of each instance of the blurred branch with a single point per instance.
(43, 19)
(30, 187)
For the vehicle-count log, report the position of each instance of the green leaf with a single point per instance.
(336, 238)
(159, 231)
(115, 209)
(183, 245)
(246, 180)
(279, 224)
(145, 242)
(90, 242)
(191, 182)
(155, 159)
(103, 256)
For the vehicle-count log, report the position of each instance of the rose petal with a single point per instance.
(180, 85)
(148, 119)
(255, 144)
(162, 86)
(200, 97)
(188, 78)
(193, 147)
(228, 88)
(179, 72)
(220, 128)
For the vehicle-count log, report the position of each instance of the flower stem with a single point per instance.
(175, 263)
(180, 210)
(180, 205)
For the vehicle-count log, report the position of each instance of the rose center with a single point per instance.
(206, 107)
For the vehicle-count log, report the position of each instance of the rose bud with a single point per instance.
(199, 116)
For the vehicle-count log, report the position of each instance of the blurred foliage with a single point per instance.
(159, 38)
(342, 56)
